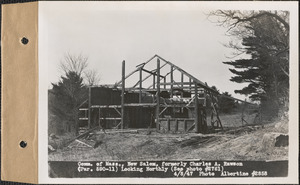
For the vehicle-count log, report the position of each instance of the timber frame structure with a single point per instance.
(167, 105)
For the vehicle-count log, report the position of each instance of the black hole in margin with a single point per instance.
(24, 40)
(23, 144)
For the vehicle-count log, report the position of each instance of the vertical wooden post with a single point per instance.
(157, 94)
(182, 80)
(123, 95)
(171, 76)
(200, 115)
(165, 86)
(153, 81)
(196, 109)
(89, 108)
(190, 84)
(212, 118)
(141, 83)
(205, 98)
(99, 121)
(168, 125)
(204, 120)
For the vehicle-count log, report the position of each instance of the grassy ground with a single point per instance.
(235, 120)
(241, 143)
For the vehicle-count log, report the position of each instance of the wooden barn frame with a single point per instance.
(176, 106)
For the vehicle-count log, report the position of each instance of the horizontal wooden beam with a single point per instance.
(110, 118)
(177, 105)
(140, 105)
(185, 89)
(120, 131)
(179, 119)
(126, 105)
(106, 106)
(176, 83)
(84, 109)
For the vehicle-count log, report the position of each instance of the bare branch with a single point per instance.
(74, 63)
(91, 77)
(231, 18)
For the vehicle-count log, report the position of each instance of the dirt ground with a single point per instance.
(241, 143)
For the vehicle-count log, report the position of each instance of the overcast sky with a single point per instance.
(108, 33)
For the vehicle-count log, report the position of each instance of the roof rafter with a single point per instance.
(195, 80)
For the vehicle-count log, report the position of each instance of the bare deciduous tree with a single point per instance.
(79, 65)
(239, 25)
(74, 63)
(238, 19)
(91, 77)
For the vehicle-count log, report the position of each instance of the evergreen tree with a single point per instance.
(67, 95)
(226, 104)
(265, 37)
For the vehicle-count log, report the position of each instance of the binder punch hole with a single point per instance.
(24, 40)
(23, 144)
